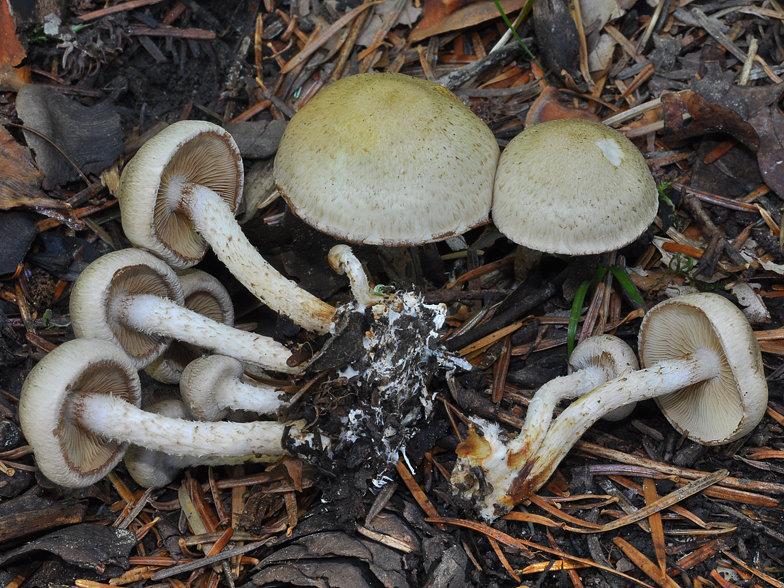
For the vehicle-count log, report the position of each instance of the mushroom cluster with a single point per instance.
(376, 159)
(80, 410)
(702, 364)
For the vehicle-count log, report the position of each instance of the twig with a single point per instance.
(463, 75)
(206, 561)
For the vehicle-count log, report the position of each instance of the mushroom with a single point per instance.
(79, 411)
(343, 261)
(179, 193)
(387, 159)
(702, 365)
(204, 294)
(155, 469)
(574, 187)
(134, 299)
(212, 385)
(594, 361)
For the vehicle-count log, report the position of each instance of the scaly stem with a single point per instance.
(113, 418)
(214, 221)
(663, 378)
(157, 315)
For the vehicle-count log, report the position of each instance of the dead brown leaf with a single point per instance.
(12, 75)
(441, 16)
(20, 180)
(706, 117)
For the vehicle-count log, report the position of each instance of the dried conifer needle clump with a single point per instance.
(390, 370)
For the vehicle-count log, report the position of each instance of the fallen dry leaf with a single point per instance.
(20, 180)
(441, 16)
(12, 75)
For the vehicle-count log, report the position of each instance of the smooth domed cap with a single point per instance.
(612, 354)
(195, 151)
(725, 407)
(127, 271)
(203, 294)
(201, 378)
(387, 159)
(66, 453)
(573, 186)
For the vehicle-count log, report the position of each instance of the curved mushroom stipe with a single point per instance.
(121, 298)
(211, 386)
(703, 364)
(593, 362)
(342, 259)
(79, 410)
(181, 190)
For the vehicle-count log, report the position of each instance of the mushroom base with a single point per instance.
(386, 355)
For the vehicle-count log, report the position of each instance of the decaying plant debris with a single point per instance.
(694, 84)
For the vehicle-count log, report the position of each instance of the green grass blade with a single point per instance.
(626, 284)
(574, 317)
(511, 28)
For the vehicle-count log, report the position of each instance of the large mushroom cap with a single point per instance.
(65, 453)
(573, 186)
(387, 159)
(195, 151)
(127, 271)
(725, 407)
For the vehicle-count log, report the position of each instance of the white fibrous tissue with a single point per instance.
(403, 353)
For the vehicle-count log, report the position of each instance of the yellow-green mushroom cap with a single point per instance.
(574, 187)
(387, 159)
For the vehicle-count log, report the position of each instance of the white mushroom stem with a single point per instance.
(593, 362)
(156, 469)
(157, 315)
(113, 418)
(211, 386)
(665, 377)
(243, 394)
(343, 261)
(539, 414)
(214, 221)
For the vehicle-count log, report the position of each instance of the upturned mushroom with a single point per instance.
(179, 193)
(79, 411)
(134, 299)
(213, 385)
(702, 365)
(387, 159)
(574, 187)
(155, 469)
(204, 294)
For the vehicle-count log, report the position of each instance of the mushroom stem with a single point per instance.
(214, 221)
(211, 386)
(157, 315)
(541, 407)
(157, 469)
(666, 377)
(343, 261)
(243, 394)
(594, 361)
(115, 419)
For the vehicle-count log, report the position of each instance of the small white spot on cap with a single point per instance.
(611, 151)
